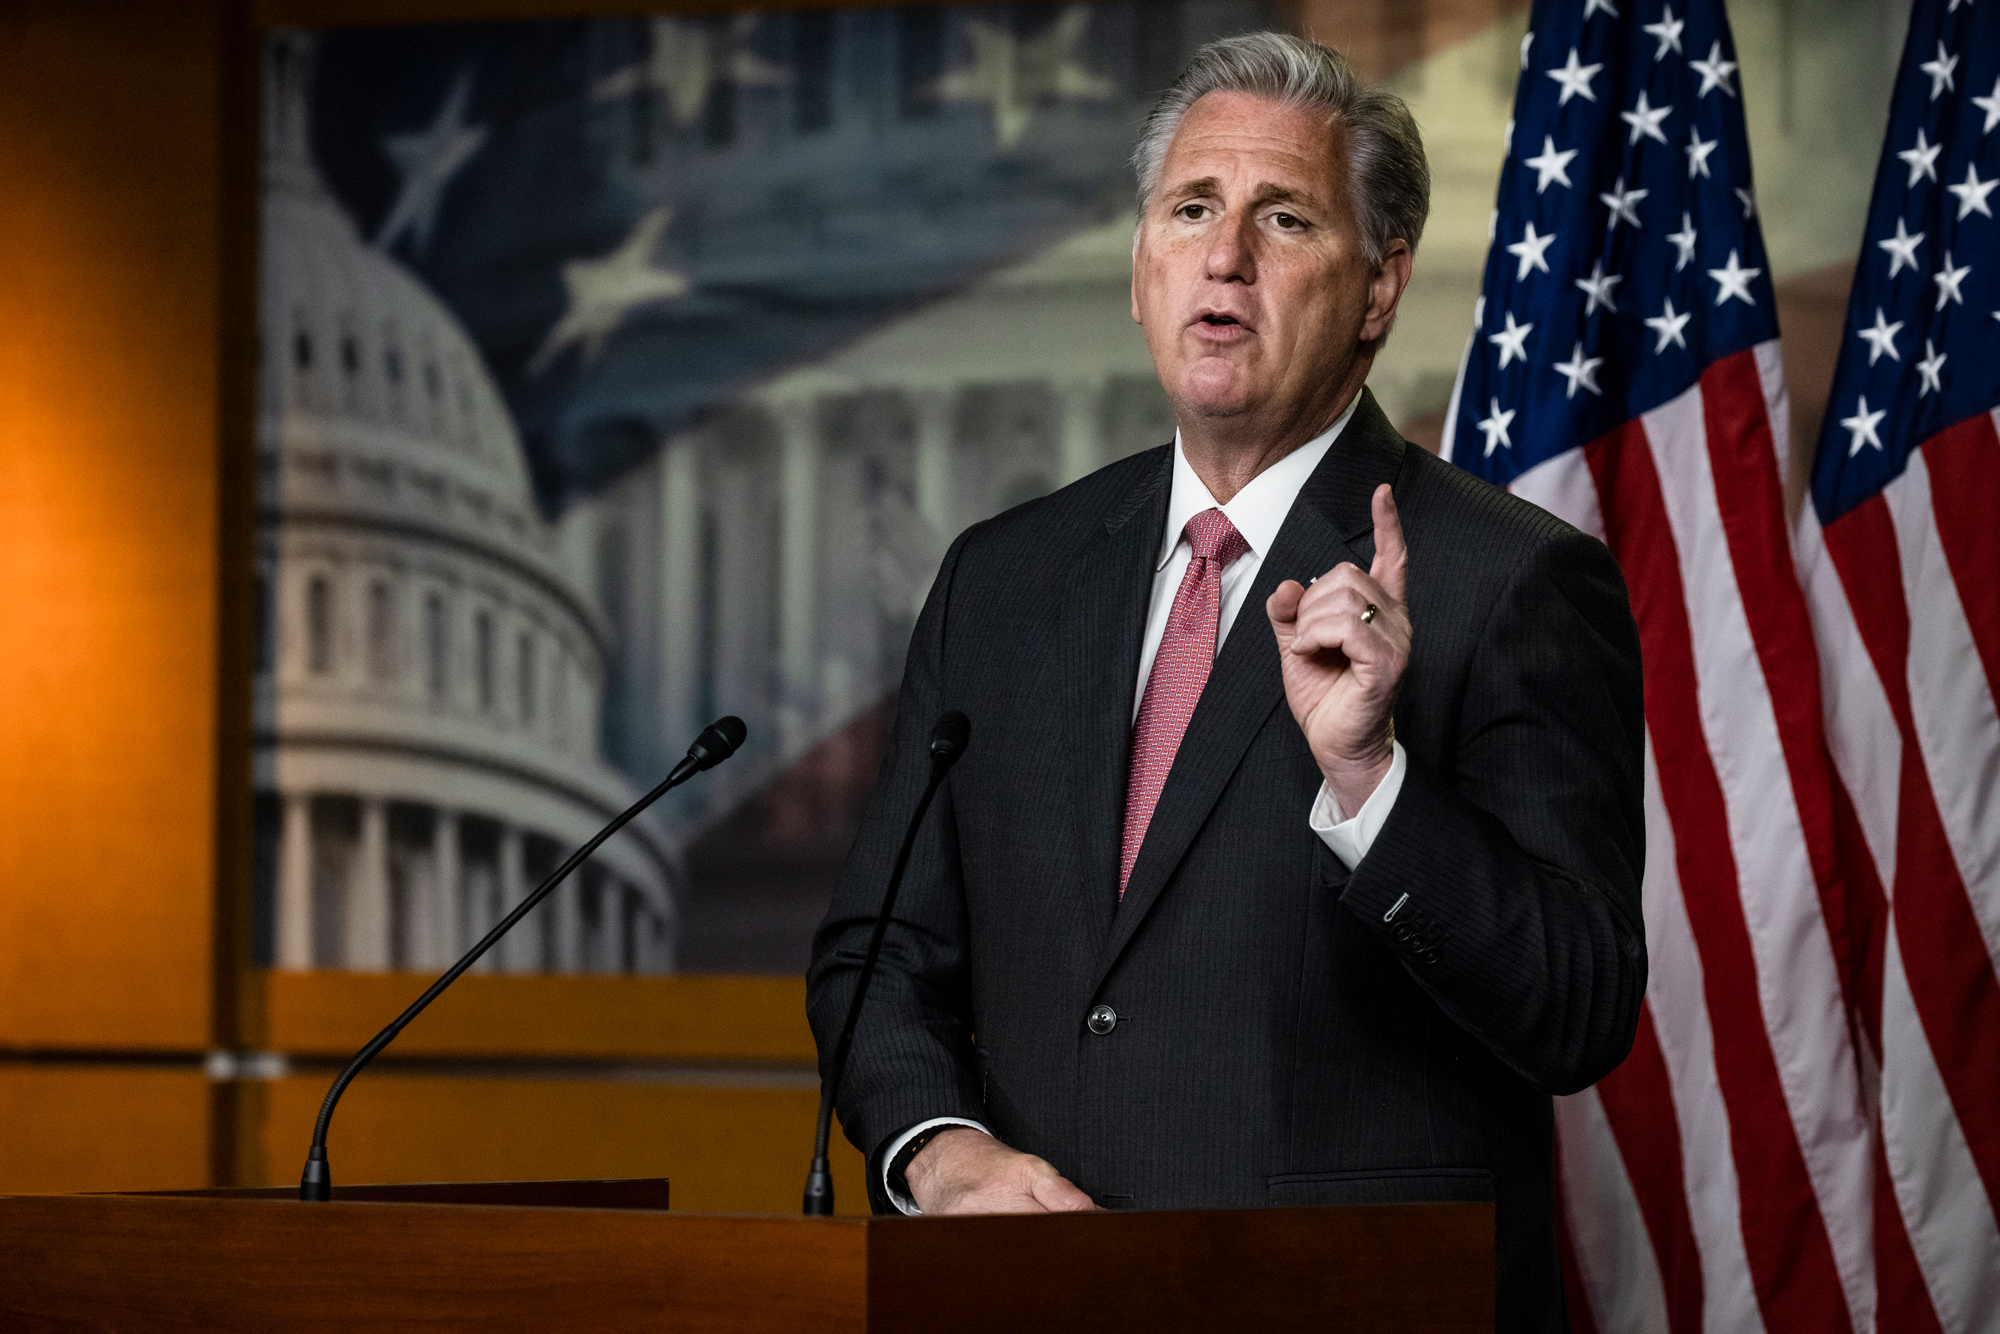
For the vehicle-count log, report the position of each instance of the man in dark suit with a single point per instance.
(1213, 912)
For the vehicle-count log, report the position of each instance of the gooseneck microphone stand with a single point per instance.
(717, 742)
(947, 744)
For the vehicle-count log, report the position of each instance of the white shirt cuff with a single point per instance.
(901, 1201)
(1350, 840)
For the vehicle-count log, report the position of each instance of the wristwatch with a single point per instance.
(907, 1154)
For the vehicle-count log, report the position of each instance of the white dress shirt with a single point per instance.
(1258, 511)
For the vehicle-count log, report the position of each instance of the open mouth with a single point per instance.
(1220, 319)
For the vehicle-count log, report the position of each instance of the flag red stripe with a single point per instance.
(1951, 975)
(1902, 1302)
(1964, 461)
(1790, 1254)
(1638, 1102)
(1751, 499)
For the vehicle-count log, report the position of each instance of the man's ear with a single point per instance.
(1385, 291)
(1137, 229)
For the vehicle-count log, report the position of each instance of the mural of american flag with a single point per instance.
(1900, 552)
(1624, 373)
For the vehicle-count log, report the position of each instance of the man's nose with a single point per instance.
(1232, 251)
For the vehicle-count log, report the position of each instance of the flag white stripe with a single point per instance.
(1798, 981)
(1777, 400)
(1687, 1046)
(1565, 488)
(1866, 744)
(1944, 1206)
(1951, 704)
(1621, 1276)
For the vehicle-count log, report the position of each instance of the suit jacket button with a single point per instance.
(1102, 1020)
(1401, 932)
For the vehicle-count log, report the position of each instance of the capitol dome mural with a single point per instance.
(431, 664)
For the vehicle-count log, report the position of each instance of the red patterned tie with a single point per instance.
(1180, 670)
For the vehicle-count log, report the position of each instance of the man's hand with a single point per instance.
(967, 1171)
(1342, 666)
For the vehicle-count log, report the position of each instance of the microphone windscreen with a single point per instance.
(948, 741)
(718, 741)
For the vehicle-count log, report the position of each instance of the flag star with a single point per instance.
(1952, 8)
(1598, 6)
(1684, 242)
(1922, 159)
(1928, 368)
(1732, 279)
(1940, 72)
(1575, 80)
(602, 292)
(1714, 71)
(1972, 192)
(1645, 119)
(1527, 44)
(1580, 370)
(1512, 341)
(1667, 32)
(685, 65)
(1015, 75)
(427, 160)
(1598, 288)
(1881, 338)
(1861, 427)
(1991, 106)
(1749, 202)
(1550, 165)
(1494, 426)
(1668, 325)
(1623, 204)
(1902, 248)
(1947, 280)
(1698, 150)
(1530, 250)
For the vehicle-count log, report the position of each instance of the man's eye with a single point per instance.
(1287, 222)
(1194, 212)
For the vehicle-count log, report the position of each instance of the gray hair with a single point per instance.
(1387, 175)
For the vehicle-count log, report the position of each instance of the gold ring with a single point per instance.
(1368, 616)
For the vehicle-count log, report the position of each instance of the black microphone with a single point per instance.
(947, 744)
(717, 742)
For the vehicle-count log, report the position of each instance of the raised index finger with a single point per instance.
(1392, 558)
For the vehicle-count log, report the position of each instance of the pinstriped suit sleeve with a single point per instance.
(912, 1055)
(1509, 880)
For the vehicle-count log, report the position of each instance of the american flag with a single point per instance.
(1899, 550)
(1624, 373)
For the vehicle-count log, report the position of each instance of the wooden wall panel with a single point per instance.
(108, 525)
(726, 1149)
(82, 1128)
(730, 1020)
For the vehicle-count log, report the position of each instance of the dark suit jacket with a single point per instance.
(1286, 1035)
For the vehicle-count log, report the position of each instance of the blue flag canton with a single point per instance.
(1921, 347)
(1626, 254)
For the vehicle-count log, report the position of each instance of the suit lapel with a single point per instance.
(1330, 522)
(1100, 627)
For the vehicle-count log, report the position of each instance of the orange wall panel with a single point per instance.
(108, 523)
(726, 1150)
(695, 1018)
(82, 1128)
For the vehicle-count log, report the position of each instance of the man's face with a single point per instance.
(1249, 275)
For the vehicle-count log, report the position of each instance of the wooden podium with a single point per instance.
(607, 1255)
